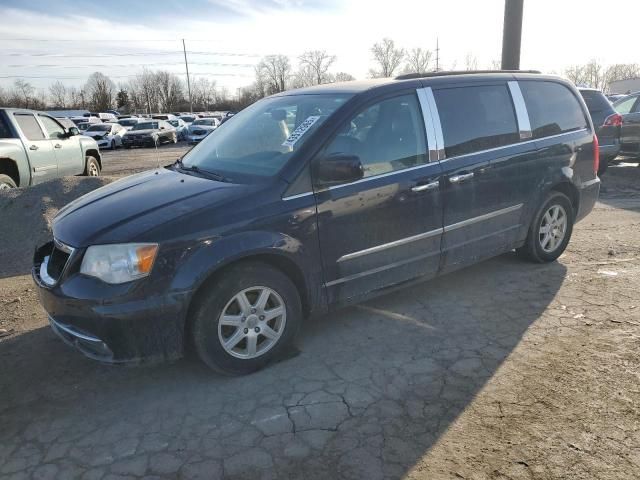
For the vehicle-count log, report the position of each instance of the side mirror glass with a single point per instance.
(73, 131)
(338, 168)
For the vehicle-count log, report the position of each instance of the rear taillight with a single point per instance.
(596, 155)
(614, 120)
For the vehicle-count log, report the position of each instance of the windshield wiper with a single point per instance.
(198, 170)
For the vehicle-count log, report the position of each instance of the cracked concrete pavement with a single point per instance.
(505, 370)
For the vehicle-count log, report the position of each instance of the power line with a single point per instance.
(51, 65)
(130, 54)
(48, 77)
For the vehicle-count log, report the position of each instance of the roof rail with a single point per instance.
(408, 76)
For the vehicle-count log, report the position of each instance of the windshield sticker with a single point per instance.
(300, 131)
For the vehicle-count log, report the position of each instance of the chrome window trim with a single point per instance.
(428, 124)
(522, 114)
(481, 218)
(298, 195)
(437, 125)
(395, 243)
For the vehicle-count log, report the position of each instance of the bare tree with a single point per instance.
(58, 94)
(275, 70)
(470, 62)
(318, 61)
(22, 94)
(4, 99)
(344, 77)
(203, 93)
(170, 91)
(417, 60)
(101, 91)
(387, 56)
(304, 77)
(495, 65)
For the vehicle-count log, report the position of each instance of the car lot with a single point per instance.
(502, 370)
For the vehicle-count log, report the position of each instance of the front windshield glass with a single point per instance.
(99, 128)
(259, 140)
(174, 123)
(188, 119)
(205, 121)
(128, 122)
(146, 126)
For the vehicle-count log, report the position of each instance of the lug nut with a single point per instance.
(253, 310)
(261, 317)
(244, 318)
(257, 330)
(246, 330)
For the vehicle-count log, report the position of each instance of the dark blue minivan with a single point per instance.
(316, 198)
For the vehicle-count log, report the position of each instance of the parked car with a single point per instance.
(90, 120)
(107, 135)
(82, 126)
(629, 108)
(614, 97)
(129, 123)
(375, 185)
(189, 118)
(163, 116)
(180, 126)
(607, 123)
(35, 147)
(103, 116)
(150, 134)
(200, 128)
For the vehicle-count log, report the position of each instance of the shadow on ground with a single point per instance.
(619, 187)
(372, 390)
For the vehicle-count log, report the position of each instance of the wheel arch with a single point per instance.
(571, 191)
(95, 154)
(9, 167)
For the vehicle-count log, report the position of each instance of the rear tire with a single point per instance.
(6, 182)
(92, 167)
(548, 237)
(604, 164)
(235, 333)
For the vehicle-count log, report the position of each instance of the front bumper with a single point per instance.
(142, 142)
(196, 138)
(140, 321)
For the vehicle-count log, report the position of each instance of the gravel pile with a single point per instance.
(26, 214)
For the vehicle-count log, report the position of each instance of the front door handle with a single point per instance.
(460, 178)
(57, 145)
(33, 147)
(425, 187)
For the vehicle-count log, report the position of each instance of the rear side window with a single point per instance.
(29, 126)
(625, 105)
(552, 108)
(596, 101)
(476, 118)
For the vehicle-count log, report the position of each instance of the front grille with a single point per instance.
(57, 261)
(199, 132)
(97, 137)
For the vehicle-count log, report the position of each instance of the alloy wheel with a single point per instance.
(252, 322)
(553, 228)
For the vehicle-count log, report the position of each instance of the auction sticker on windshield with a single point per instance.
(300, 131)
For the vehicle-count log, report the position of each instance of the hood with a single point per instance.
(207, 128)
(142, 132)
(125, 210)
(96, 134)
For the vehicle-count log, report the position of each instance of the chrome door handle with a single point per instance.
(57, 145)
(33, 147)
(426, 186)
(460, 178)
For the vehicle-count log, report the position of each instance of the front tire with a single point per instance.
(6, 182)
(246, 318)
(604, 164)
(92, 167)
(550, 230)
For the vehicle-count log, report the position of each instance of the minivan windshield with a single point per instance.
(258, 141)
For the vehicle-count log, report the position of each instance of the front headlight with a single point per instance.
(119, 263)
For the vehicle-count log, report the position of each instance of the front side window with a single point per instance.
(476, 118)
(5, 132)
(263, 137)
(29, 126)
(386, 136)
(624, 105)
(552, 107)
(53, 128)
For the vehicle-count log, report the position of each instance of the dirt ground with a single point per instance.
(505, 370)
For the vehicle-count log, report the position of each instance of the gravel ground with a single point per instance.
(505, 370)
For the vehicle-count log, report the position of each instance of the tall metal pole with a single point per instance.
(512, 34)
(186, 65)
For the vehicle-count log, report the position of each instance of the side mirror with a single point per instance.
(73, 131)
(338, 168)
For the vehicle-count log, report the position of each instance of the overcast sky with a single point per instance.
(65, 39)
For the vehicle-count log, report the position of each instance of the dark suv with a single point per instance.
(607, 123)
(316, 198)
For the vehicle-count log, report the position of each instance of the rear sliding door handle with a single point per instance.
(426, 186)
(460, 178)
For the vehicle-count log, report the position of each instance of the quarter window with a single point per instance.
(553, 109)
(29, 126)
(386, 136)
(476, 118)
(625, 105)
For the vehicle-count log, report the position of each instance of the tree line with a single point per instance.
(164, 91)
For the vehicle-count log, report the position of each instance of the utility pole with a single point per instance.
(437, 55)
(512, 34)
(186, 65)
